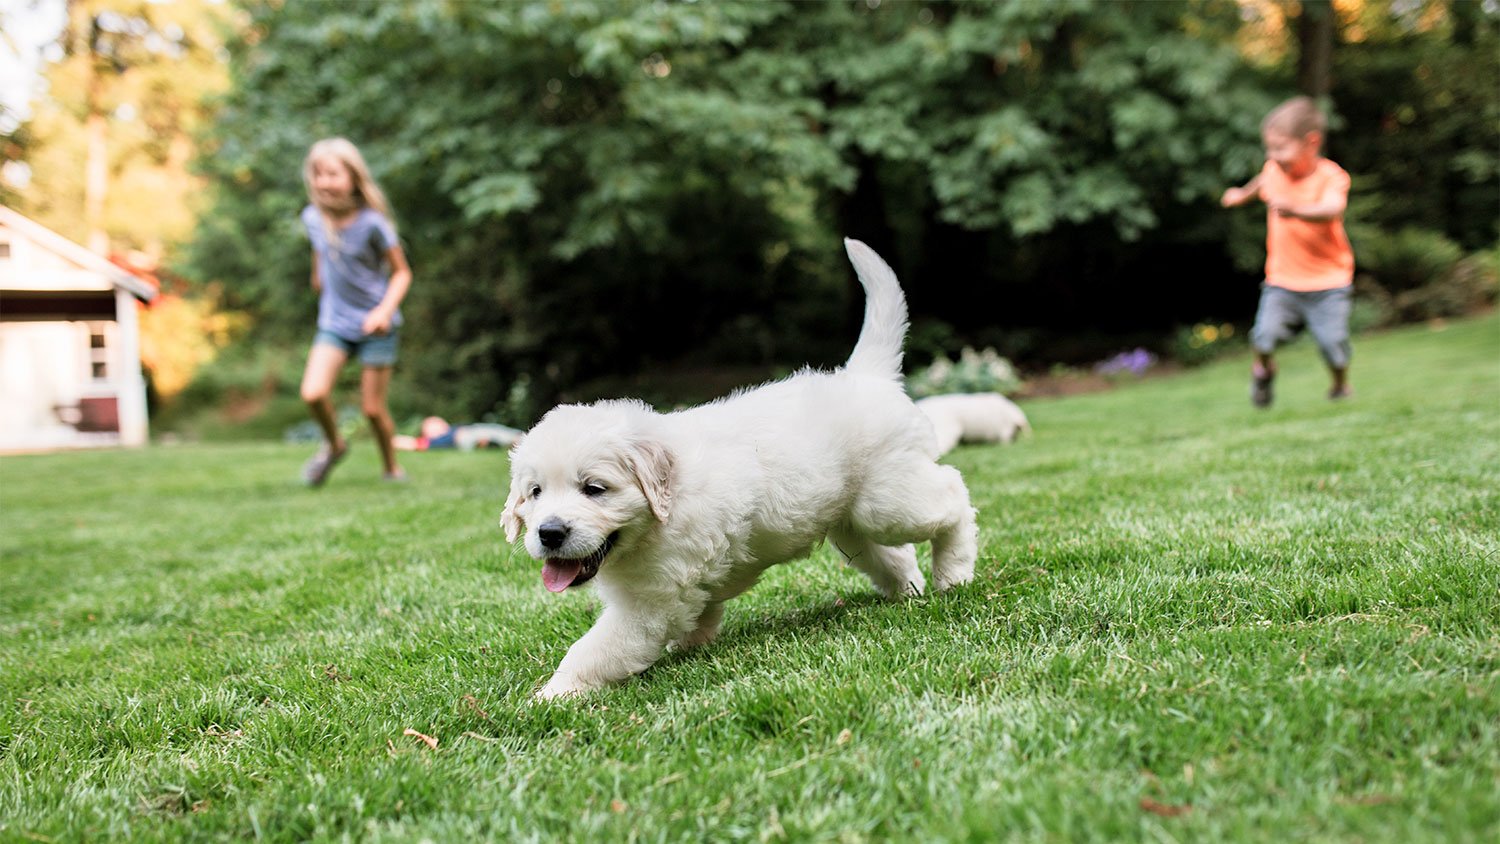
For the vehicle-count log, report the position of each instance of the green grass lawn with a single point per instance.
(1192, 621)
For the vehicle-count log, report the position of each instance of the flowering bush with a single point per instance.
(1134, 362)
(1203, 342)
(974, 372)
(182, 334)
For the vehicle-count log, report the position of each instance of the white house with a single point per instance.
(70, 364)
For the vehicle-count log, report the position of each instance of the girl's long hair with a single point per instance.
(367, 191)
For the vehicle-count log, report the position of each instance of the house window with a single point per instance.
(98, 352)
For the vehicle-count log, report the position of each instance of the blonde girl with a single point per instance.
(360, 275)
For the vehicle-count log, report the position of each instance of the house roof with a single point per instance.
(77, 254)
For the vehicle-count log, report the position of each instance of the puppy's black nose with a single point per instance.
(552, 533)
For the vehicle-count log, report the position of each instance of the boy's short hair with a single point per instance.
(1296, 117)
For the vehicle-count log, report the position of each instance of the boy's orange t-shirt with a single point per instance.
(1303, 255)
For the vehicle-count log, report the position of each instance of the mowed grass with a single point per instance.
(1192, 621)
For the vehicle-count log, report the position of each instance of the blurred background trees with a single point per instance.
(105, 157)
(648, 197)
(110, 145)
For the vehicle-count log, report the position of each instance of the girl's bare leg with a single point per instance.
(323, 364)
(374, 383)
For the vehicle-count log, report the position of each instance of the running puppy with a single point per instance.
(674, 514)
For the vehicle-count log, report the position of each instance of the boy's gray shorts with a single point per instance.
(1325, 314)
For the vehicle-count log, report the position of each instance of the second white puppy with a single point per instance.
(674, 514)
(973, 418)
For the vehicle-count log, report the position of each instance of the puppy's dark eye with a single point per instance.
(536, 490)
(593, 488)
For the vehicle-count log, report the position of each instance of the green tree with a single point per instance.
(565, 201)
(1416, 88)
(110, 142)
(589, 189)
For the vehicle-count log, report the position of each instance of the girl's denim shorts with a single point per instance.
(372, 349)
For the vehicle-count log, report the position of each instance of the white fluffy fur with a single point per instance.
(702, 501)
(973, 418)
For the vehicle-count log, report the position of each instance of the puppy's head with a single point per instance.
(584, 483)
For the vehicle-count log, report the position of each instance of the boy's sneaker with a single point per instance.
(396, 477)
(317, 468)
(1260, 390)
(1342, 392)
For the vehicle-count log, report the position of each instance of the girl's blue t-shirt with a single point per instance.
(355, 272)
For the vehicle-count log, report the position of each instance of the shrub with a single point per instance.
(179, 334)
(930, 337)
(1368, 313)
(974, 372)
(1204, 342)
(1467, 286)
(233, 389)
(1416, 275)
(1407, 260)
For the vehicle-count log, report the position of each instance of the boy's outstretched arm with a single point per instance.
(1241, 195)
(1325, 209)
(1329, 206)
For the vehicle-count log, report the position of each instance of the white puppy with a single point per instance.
(677, 513)
(973, 418)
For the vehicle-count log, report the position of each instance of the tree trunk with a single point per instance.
(1315, 43)
(96, 182)
(96, 164)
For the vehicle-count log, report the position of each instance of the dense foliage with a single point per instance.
(127, 83)
(589, 190)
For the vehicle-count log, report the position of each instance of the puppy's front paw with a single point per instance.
(910, 588)
(951, 580)
(560, 687)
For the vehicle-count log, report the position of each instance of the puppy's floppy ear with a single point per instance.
(509, 518)
(653, 466)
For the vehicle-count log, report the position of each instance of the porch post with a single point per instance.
(131, 384)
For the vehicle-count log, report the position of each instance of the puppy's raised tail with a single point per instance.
(878, 351)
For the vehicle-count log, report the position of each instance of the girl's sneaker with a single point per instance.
(317, 468)
(1337, 393)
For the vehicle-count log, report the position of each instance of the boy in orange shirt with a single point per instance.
(1309, 264)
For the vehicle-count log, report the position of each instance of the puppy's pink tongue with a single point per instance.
(557, 575)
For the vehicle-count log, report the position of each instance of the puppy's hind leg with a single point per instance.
(955, 546)
(893, 570)
(922, 501)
